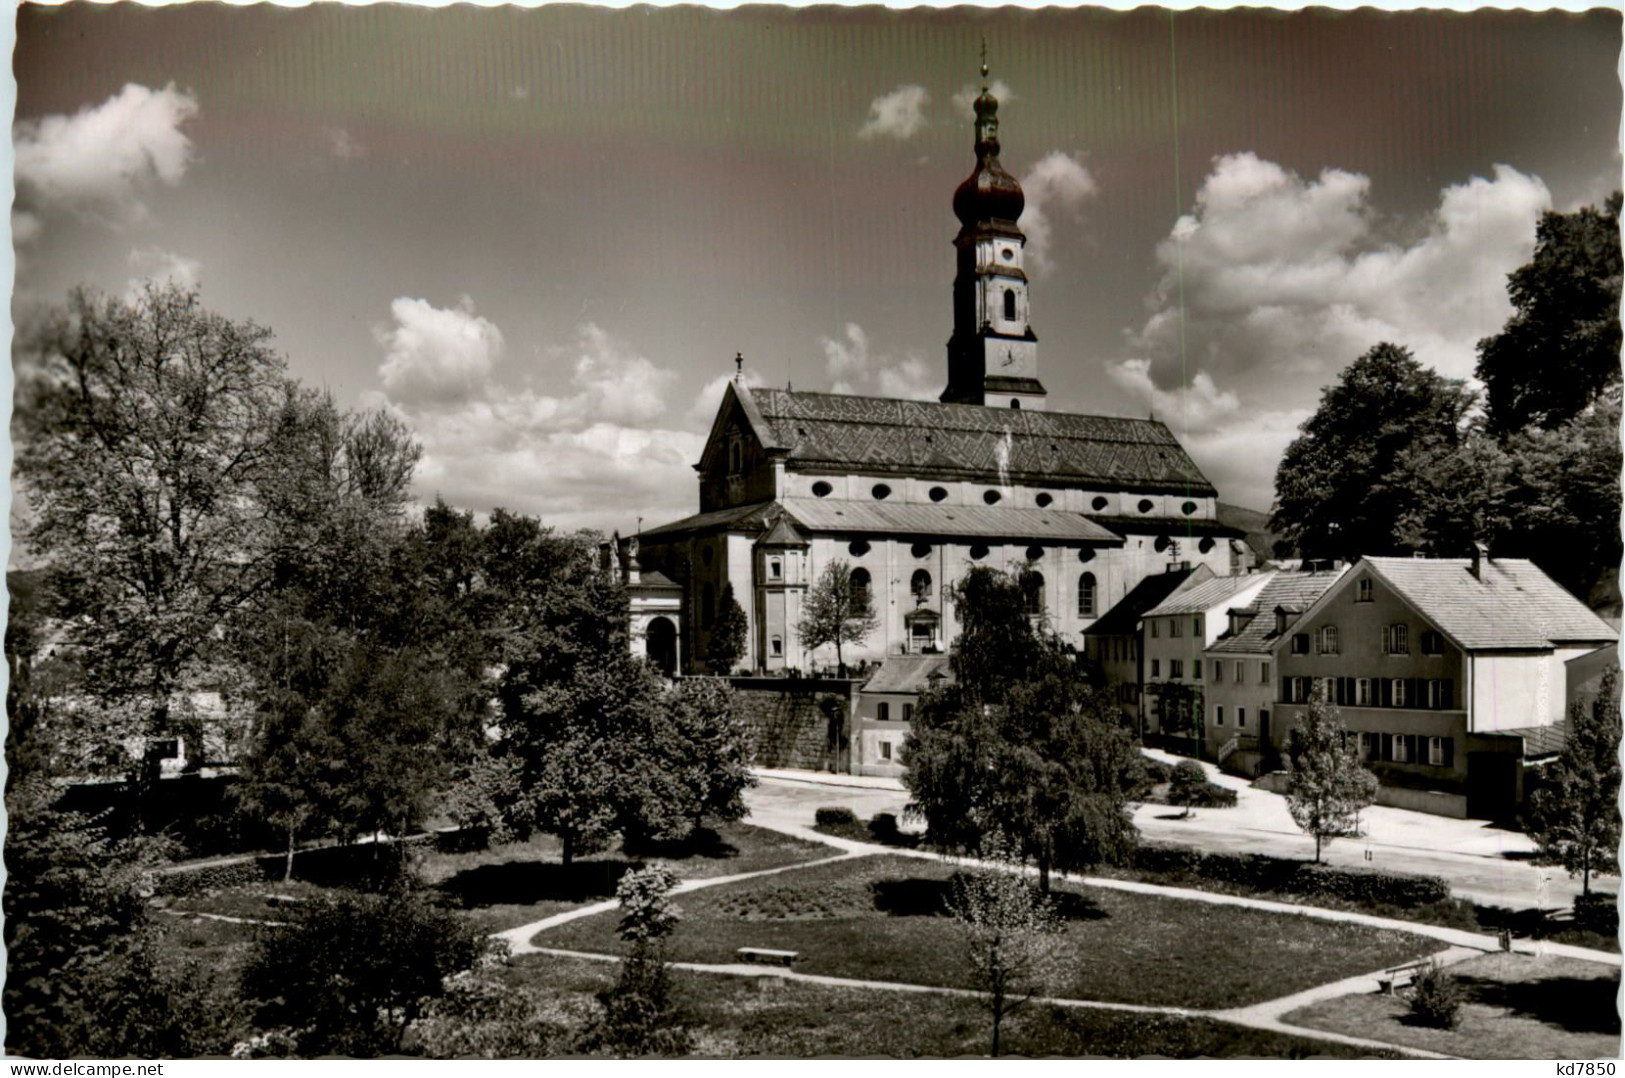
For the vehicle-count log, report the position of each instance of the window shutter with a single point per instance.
(1348, 691)
(1385, 692)
(1417, 747)
(1286, 690)
(1386, 750)
(1385, 640)
(1416, 693)
(1449, 697)
(1449, 749)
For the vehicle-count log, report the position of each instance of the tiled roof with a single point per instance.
(1123, 619)
(749, 518)
(654, 579)
(783, 533)
(906, 673)
(998, 445)
(1512, 604)
(992, 522)
(1292, 592)
(1172, 527)
(1202, 597)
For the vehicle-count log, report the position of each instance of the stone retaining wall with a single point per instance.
(799, 723)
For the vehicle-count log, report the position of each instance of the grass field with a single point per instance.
(1517, 1007)
(882, 918)
(735, 1017)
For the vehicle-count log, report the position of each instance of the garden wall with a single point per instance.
(797, 723)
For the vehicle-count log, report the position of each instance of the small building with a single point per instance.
(1113, 642)
(884, 712)
(1174, 638)
(1451, 672)
(654, 605)
(1240, 685)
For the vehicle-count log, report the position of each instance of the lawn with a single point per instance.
(1517, 1007)
(734, 1017)
(882, 918)
(510, 885)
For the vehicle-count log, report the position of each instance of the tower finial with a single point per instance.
(739, 366)
(984, 64)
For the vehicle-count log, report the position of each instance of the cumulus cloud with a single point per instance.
(899, 114)
(854, 367)
(161, 267)
(100, 161)
(964, 101)
(704, 408)
(1058, 183)
(1274, 283)
(586, 452)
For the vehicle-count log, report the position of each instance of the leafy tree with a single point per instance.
(1560, 349)
(1574, 816)
(639, 1018)
(1339, 488)
(1187, 785)
(1019, 744)
(1327, 786)
(353, 971)
(834, 614)
(1008, 933)
(144, 447)
(1436, 998)
(693, 762)
(727, 643)
(1459, 495)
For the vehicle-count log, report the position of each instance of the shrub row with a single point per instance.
(366, 865)
(189, 882)
(1264, 873)
(835, 817)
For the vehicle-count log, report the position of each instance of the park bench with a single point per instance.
(1400, 976)
(766, 956)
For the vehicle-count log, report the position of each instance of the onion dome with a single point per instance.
(990, 193)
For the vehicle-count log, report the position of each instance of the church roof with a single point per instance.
(783, 533)
(992, 522)
(968, 441)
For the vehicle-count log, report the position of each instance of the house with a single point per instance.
(1451, 672)
(1240, 685)
(1113, 642)
(913, 494)
(1174, 638)
(884, 712)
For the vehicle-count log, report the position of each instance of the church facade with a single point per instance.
(913, 494)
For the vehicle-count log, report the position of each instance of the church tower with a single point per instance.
(993, 353)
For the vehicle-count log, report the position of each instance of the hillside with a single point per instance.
(1255, 524)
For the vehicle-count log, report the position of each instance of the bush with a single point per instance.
(1261, 872)
(1156, 772)
(350, 973)
(1435, 999)
(835, 817)
(884, 828)
(1597, 913)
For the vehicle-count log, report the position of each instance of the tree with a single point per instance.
(1458, 495)
(638, 1017)
(727, 644)
(1019, 744)
(1187, 785)
(1574, 816)
(1008, 933)
(1327, 786)
(836, 613)
(694, 762)
(144, 445)
(353, 971)
(1339, 491)
(1560, 349)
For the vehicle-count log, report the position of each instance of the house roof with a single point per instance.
(747, 518)
(901, 518)
(1292, 592)
(1510, 605)
(653, 579)
(783, 533)
(1539, 740)
(1204, 596)
(1123, 619)
(906, 673)
(999, 445)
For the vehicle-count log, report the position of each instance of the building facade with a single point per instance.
(913, 494)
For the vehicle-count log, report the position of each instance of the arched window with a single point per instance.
(1032, 591)
(1015, 402)
(919, 585)
(1086, 595)
(858, 588)
(1009, 305)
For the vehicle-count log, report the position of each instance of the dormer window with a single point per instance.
(1280, 622)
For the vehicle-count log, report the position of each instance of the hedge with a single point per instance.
(835, 817)
(1264, 873)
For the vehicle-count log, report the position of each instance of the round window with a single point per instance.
(858, 548)
(822, 489)
(1162, 543)
(978, 552)
(1008, 253)
(1146, 505)
(937, 494)
(881, 492)
(1087, 554)
(1188, 508)
(991, 497)
(1206, 544)
(1034, 552)
(1099, 503)
(1045, 501)
(920, 550)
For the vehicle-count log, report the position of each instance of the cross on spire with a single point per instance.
(984, 64)
(739, 366)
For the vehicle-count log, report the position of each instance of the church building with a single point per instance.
(913, 494)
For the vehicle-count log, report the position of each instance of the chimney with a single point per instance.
(1481, 554)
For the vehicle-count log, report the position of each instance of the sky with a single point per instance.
(540, 236)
